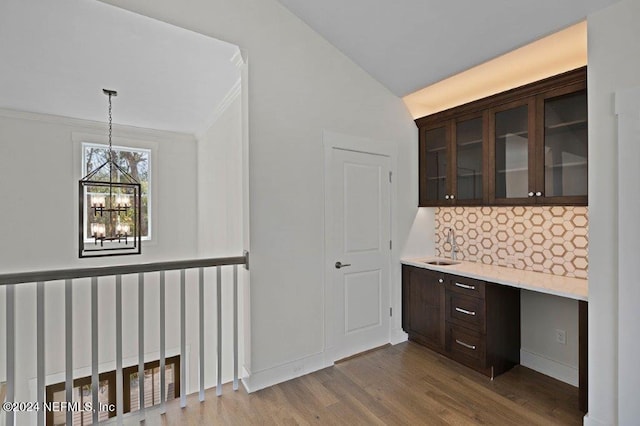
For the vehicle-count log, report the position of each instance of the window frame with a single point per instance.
(110, 377)
(149, 193)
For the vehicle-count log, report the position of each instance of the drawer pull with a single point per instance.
(468, 287)
(464, 311)
(466, 345)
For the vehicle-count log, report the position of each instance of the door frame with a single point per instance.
(333, 140)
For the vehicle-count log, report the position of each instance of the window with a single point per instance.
(107, 391)
(136, 162)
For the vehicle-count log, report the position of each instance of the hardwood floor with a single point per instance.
(405, 384)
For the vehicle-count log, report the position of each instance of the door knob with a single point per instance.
(446, 197)
(531, 194)
(341, 265)
(538, 194)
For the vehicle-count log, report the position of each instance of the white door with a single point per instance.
(360, 245)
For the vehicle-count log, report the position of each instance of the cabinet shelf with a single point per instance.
(522, 133)
(565, 124)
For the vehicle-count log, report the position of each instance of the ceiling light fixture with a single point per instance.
(109, 201)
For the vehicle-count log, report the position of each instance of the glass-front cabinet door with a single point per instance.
(434, 182)
(469, 160)
(512, 157)
(564, 153)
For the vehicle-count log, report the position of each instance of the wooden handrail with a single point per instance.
(102, 271)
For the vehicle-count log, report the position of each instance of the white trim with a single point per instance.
(224, 104)
(398, 336)
(336, 140)
(557, 370)
(590, 421)
(627, 104)
(282, 373)
(237, 59)
(153, 134)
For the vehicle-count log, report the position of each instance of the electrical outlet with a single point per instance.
(561, 336)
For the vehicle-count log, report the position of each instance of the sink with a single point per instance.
(440, 262)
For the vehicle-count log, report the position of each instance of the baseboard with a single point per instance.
(281, 373)
(398, 336)
(564, 373)
(590, 421)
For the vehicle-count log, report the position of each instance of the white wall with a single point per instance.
(299, 85)
(220, 182)
(614, 65)
(540, 316)
(220, 211)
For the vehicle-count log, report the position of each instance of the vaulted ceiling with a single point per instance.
(57, 56)
(410, 44)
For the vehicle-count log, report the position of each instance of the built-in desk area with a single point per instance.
(471, 311)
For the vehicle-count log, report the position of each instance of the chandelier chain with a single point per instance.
(110, 130)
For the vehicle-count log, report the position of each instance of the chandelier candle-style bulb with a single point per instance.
(97, 201)
(123, 201)
(98, 230)
(122, 229)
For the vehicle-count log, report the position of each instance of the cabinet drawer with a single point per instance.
(466, 346)
(466, 311)
(466, 286)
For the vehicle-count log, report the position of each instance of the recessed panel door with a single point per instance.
(361, 246)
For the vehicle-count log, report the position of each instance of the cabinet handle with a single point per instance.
(440, 280)
(531, 194)
(466, 345)
(452, 196)
(464, 311)
(538, 194)
(468, 287)
(446, 197)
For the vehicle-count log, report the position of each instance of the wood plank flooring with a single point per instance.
(405, 384)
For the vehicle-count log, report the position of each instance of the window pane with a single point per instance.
(136, 162)
(82, 395)
(151, 387)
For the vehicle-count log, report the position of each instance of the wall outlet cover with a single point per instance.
(561, 336)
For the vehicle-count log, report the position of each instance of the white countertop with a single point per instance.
(573, 288)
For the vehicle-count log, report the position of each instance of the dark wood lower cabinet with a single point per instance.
(473, 322)
(423, 306)
(583, 361)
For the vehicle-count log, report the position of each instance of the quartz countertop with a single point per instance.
(573, 288)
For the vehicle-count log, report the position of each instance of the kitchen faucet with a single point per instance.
(451, 238)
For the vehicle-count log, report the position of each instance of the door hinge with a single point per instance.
(390, 312)
(390, 245)
(390, 173)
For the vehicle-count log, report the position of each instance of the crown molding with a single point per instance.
(98, 126)
(224, 104)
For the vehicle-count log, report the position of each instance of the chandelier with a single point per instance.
(110, 202)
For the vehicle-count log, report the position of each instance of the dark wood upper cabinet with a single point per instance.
(521, 147)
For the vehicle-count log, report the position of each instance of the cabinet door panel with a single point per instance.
(436, 158)
(512, 156)
(469, 159)
(423, 305)
(565, 145)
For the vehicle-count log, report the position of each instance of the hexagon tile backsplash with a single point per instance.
(553, 240)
